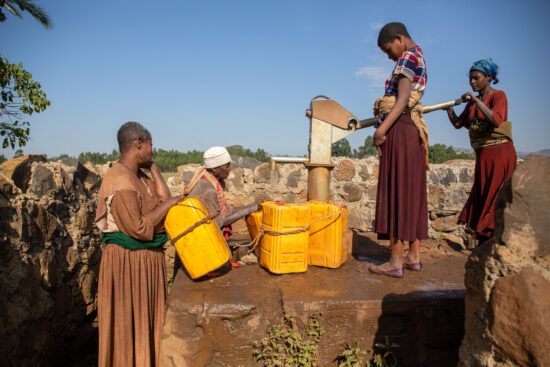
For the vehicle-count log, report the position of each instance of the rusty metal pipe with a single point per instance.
(318, 183)
(289, 160)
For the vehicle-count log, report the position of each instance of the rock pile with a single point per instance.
(508, 278)
(49, 261)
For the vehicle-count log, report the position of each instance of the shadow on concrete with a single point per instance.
(369, 248)
(428, 326)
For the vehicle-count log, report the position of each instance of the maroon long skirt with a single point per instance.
(401, 205)
(495, 165)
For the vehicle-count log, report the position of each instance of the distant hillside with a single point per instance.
(542, 152)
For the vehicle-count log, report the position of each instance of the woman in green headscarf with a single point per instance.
(486, 118)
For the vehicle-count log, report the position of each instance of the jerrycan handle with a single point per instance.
(200, 222)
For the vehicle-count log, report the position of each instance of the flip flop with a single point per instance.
(396, 273)
(414, 266)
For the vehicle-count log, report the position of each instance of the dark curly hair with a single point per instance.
(390, 30)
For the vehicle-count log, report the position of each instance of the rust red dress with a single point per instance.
(495, 165)
(401, 202)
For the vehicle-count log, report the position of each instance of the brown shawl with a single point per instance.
(121, 179)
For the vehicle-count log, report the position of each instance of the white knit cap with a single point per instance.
(215, 157)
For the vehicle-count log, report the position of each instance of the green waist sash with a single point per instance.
(130, 243)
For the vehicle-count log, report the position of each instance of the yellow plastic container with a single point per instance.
(203, 249)
(329, 240)
(281, 254)
(254, 224)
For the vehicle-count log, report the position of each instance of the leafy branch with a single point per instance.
(20, 96)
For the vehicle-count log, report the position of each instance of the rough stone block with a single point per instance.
(19, 169)
(262, 173)
(42, 181)
(522, 207)
(520, 318)
(446, 224)
(344, 171)
(352, 192)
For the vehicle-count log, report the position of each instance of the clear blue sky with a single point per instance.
(203, 73)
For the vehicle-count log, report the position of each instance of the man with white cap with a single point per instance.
(209, 181)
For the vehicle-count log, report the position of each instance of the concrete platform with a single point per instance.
(212, 322)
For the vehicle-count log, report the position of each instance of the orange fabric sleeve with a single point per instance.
(499, 106)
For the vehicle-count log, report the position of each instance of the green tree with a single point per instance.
(440, 153)
(18, 153)
(239, 151)
(29, 6)
(20, 96)
(341, 148)
(2, 158)
(367, 149)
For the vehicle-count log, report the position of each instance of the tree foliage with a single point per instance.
(367, 149)
(170, 160)
(238, 150)
(2, 158)
(440, 153)
(18, 153)
(20, 96)
(30, 6)
(437, 153)
(341, 148)
(99, 158)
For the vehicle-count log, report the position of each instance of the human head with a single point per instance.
(129, 132)
(390, 31)
(487, 67)
(218, 161)
(394, 39)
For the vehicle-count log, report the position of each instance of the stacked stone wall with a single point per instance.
(353, 181)
(50, 251)
(49, 260)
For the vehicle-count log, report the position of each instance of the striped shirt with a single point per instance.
(411, 64)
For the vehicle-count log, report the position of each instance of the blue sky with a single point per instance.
(203, 73)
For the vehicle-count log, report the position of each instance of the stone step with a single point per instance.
(213, 321)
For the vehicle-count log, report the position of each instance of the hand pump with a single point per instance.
(330, 122)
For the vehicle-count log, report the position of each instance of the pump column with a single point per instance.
(320, 164)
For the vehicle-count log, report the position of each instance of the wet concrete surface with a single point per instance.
(212, 322)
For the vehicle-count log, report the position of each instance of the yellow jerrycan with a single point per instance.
(254, 224)
(202, 249)
(329, 240)
(284, 253)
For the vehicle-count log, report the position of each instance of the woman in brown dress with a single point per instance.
(132, 277)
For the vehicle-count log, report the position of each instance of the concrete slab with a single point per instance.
(213, 321)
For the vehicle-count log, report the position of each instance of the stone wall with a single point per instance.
(353, 181)
(508, 278)
(49, 261)
(50, 250)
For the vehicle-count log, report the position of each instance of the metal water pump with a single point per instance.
(330, 122)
